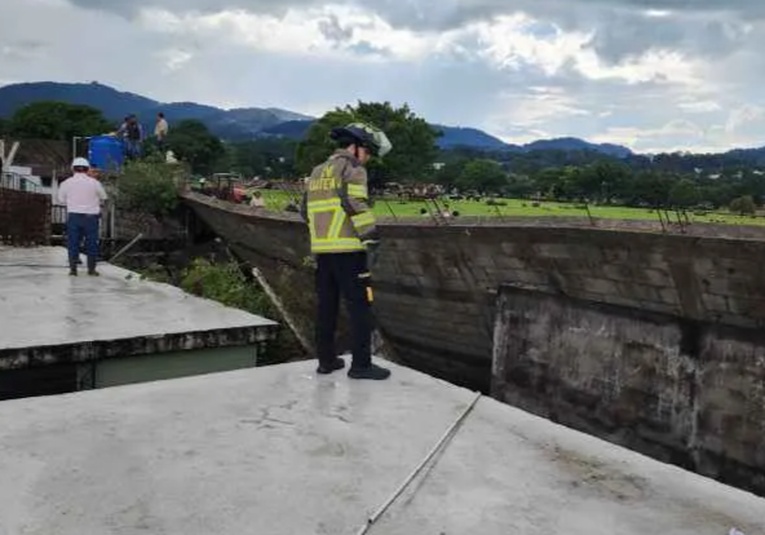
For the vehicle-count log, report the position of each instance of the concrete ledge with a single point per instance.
(281, 451)
(51, 320)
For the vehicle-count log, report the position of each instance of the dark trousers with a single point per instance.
(344, 274)
(77, 227)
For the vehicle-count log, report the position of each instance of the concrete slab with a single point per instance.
(41, 305)
(278, 450)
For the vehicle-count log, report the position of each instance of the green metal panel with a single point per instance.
(144, 368)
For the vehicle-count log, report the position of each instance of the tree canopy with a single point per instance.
(270, 157)
(192, 142)
(58, 121)
(413, 139)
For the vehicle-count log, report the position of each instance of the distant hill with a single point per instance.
(454, 137)
(240, 123)
(112, 103)
(572, 143)
(247, 123)
(468, 137)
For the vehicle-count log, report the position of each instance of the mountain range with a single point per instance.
(239, 124)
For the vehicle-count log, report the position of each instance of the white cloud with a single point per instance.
(174, 58)
(699, 106)
(535, 108)
(743, 116)
(330, 31)
(628, 71)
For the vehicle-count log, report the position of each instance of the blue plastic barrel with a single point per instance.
(106, 153)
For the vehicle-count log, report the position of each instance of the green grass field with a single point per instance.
(277, 200)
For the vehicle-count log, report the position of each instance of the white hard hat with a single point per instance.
(80, 162)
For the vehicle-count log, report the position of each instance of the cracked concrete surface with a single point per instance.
(282, 451)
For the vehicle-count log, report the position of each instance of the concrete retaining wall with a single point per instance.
(435, 286)
(687, 392)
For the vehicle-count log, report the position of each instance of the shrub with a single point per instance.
(149, 187)
(226, 284)
(743, 205)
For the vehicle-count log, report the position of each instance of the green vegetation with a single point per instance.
(192, 143)
(726, 188)
(278, 200)
(149, 186)
(226, 283)
(414, 141)
(57, 121)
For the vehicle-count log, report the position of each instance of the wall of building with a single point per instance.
(687, 392)
(25, 217)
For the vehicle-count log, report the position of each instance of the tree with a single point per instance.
(149, 187)
(414, 141)
(683, 193)
(57, 121)
(271, 157)
(743, 205)
(482, 175)
(192, 142)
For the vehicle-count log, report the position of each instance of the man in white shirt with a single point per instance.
(82, 195)
(161, 127)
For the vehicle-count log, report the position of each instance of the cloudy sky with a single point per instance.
(650, 74)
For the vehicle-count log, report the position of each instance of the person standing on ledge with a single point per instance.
(82, 194)
(344, 236)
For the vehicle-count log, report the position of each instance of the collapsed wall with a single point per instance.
(683, 391)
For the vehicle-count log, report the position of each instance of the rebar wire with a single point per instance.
(282, 310)
(449, 433)
(124, 249)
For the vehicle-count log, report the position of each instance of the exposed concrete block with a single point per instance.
(506, 262)
(715, 303)
(528, 277)
(751, 308)
(641, 292)
(685, 393)
(559, 250)
(596, 286)
(669, 296)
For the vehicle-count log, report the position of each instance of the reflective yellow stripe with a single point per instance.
(357, 190)
(364, 219)
(323, 204)
(337, 223)
(338, 245)
(320, 206)
(331, 241)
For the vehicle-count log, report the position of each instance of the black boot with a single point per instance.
(373, 372)
(325, 368)
(72, 267)
(92, 267)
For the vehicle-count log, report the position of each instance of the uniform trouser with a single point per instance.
(343, 274)
(77, 226)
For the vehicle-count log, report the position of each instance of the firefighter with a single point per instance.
(344, 237)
